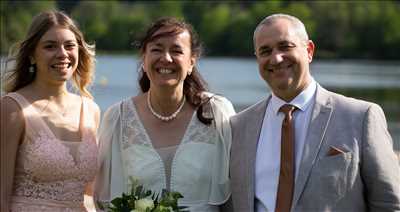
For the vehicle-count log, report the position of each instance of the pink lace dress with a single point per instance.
(51, 174)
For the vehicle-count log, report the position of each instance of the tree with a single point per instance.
(213, 25)
(16, 16)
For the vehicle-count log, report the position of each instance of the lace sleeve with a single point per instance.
(220, 190)
(109, 179)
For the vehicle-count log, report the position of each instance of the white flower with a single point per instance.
(143, 204)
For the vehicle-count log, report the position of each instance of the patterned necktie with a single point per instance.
(286, 175)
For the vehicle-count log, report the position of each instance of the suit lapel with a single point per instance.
(318, 124)
(256, 118)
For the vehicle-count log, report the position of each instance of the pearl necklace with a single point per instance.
(161, 117)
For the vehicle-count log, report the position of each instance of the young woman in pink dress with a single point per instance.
(48, 134)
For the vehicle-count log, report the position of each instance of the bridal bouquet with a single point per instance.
(141, 200)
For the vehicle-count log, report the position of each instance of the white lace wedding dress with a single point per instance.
(199, 169)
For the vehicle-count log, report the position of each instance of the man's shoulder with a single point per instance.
(342, 102)
(257, 108)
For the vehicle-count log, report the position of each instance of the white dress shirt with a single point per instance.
(269, 144)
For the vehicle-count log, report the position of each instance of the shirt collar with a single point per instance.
(301, 101)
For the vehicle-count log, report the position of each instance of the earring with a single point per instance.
(142, 67)
(190, 72)
(32, 68)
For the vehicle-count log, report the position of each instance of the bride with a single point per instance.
(174, 135)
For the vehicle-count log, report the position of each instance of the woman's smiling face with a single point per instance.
(168, 59)
(56, 55)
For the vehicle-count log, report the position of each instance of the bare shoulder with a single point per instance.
(93, 109)
(9, 107)
(92, 105)
(12, 117)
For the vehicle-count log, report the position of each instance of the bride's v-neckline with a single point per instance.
(147, 136)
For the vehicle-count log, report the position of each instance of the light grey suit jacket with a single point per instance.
(364, 178)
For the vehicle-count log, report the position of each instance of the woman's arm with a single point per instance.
(220, 188)
(12, 132)
(89, 204)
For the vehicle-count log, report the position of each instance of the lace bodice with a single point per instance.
(198, 142)
(48, 169)
(190, 169)
(199, 168)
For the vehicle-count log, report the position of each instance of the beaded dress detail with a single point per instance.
(51, 174)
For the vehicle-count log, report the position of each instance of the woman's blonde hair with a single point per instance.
(19, 76)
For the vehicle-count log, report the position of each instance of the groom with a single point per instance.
(305, 148)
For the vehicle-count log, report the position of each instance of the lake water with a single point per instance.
(238, 80)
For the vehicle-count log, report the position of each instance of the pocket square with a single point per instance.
(334, 151)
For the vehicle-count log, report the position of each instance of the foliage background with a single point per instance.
(340, 29)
